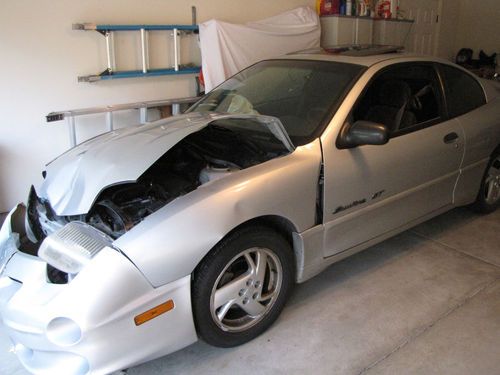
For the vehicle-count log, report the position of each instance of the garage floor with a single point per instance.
(424, 302)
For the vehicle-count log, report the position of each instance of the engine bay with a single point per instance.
(219, 149)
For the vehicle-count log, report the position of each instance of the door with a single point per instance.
(371, 190)
(424, 32)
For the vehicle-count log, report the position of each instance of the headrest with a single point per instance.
(394, 93)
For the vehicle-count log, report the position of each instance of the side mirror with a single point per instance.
(363, 133)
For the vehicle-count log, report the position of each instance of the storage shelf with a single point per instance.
(367, 18)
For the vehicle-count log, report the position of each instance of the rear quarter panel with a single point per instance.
(482, 136)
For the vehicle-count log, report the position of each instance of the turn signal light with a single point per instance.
(154, 312)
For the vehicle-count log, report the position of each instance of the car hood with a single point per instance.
(74, 180)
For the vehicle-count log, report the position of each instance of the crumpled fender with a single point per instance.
(170, 243)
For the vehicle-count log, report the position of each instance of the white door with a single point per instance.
(424, 32)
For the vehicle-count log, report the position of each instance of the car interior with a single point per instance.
(400, 99)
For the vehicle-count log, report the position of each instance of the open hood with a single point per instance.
(75, 179)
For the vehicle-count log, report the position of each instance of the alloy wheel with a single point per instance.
(246, 289)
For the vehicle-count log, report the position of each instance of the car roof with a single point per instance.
(366, 55)
(369, 55)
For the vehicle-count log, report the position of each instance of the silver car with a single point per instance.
(143, 239)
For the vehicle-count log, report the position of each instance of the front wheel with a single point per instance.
(240, 288)
(488, 198)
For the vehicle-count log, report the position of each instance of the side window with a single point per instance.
(463, 92)
(401, 98)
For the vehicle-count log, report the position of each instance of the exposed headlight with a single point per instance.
(8, 241)
(63, 331)
(70, 248)
(7, 249)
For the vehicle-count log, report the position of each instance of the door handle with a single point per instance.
(450, 137)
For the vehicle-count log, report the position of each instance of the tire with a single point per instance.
(488, 198)
(234, 298)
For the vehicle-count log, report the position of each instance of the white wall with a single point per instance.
(41, 57)
(449, 15)
(479, 26)
(469, 24)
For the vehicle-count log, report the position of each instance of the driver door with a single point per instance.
(371, 190)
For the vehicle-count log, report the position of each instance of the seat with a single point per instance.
(392, 108)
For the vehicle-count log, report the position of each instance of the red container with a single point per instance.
(329, 7)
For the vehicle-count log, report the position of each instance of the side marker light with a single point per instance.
(154, 312)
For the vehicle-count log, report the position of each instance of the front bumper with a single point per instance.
(101, 301)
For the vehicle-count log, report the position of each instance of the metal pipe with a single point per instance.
(176, 51)
(113, 55)
(143, 49)
(176, 109)
(108, 51)
(72, 131)
(109, 120)
(143, 115)
(193, 15)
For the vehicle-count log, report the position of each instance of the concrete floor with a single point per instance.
(424, 302)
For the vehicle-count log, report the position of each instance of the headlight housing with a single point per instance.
(70, 248)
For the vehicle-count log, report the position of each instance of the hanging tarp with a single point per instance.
(227, 48)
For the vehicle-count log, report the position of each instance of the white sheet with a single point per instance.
(227, 48)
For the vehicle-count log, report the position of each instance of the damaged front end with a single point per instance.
(217, 146)
(65, 285)
(65, 328)
(11, 234)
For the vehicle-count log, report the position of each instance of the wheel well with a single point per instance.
(278, 223)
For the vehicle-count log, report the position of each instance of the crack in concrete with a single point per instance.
(457, 250)
(424, 329)
(461, 303)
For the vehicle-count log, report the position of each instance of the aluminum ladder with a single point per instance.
(71, 115)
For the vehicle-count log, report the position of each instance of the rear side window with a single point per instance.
(463, 92)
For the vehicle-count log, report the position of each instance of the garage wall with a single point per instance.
(469, 23)
(479, 26)
(41, 58)
(450, 15)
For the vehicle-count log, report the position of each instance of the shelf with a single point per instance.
(366, 18)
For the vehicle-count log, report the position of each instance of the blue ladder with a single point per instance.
(111, 73)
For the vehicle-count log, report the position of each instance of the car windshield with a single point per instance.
(303, 94)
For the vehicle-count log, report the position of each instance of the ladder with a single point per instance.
(71, 115)
(110, 72)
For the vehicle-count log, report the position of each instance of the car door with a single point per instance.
(479, 118)
(372, 190)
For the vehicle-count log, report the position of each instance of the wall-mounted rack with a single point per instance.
(111, 73)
